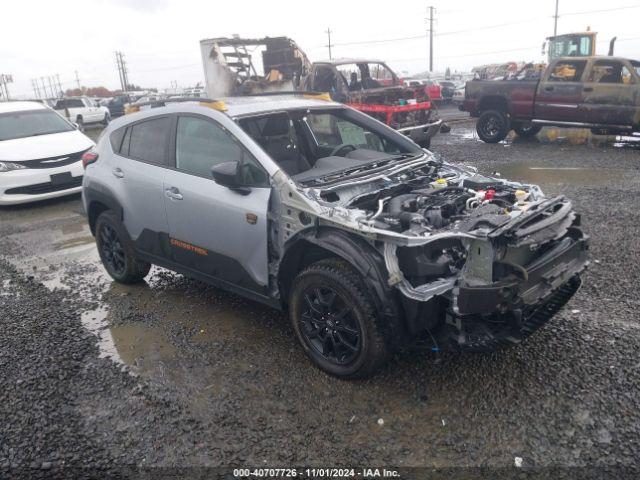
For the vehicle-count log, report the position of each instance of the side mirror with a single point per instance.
(75, 125)
(227, 174)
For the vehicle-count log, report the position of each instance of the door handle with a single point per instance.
(117, 172)
(548, 89)
(173, 193)
(587, 89)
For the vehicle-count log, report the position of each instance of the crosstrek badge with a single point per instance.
(187, 246)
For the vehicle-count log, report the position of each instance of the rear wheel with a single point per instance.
(116, 250)
(335, 321)
(492, 126)
(526, 129)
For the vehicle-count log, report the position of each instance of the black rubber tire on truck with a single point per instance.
(493, 126)
(116, 250)
(335, 320)
(526, 130)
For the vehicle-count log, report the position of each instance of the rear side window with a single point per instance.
(116, 139)
(570, 71)
(148, 140)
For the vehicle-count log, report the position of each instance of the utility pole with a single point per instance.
(78, 80)
(60, 92)
(329, 44)
(122, 71)
(4, 89)
(51, 88)
(36, 90)
(430, 18)
(555, 22)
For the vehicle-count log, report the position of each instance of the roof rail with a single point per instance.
(284, 92)
(207, 102)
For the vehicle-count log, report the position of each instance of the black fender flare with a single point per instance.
(103, 196)
(368, 262)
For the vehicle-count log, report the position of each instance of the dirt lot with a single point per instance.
(173, 373)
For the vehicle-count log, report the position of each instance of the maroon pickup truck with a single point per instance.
(600, 93)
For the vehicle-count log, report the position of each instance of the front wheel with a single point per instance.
(116, 250)
(335, 321)
(526, 130)
(492, 126)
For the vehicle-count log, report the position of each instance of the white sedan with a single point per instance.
(40, 154)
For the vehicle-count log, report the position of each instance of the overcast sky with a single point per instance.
(159, 38)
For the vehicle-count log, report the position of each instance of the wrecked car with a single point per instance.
(368, 242)
(599, 93)
(369, 86)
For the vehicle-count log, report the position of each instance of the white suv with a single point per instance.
(40, 153)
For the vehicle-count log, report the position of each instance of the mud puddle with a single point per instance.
(546, 175)
(556, 136)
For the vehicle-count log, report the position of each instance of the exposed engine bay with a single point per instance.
(479, 261)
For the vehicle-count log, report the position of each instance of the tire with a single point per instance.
(347, 345)
(526, 130)
(116, 250)
(492, 126)
(106, 119)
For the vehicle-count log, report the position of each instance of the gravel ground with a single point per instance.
(173, 373)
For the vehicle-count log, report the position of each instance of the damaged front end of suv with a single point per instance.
(454, 259)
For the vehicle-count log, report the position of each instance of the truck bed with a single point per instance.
(514, 96)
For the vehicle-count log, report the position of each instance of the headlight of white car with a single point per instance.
(8, 166)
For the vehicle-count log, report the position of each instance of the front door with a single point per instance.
(560, 94)
(612, 93)
(214, 230)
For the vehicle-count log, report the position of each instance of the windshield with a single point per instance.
(309, 144)
(570, 46)
(30, 123)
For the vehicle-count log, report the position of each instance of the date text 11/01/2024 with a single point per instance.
(315, 473)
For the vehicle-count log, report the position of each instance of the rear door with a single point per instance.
(560, 94)
(139, 172)
(214, 230)
(611, 93)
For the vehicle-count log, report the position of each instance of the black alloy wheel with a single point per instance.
(492, 126)
(116, 250)
(329, 327)
(112, 250)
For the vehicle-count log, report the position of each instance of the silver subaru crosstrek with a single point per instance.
(369, 242)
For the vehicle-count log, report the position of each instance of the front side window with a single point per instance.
(570, 71)
(148, 140)
(201, 144)
(381, 74)
(31, 123)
